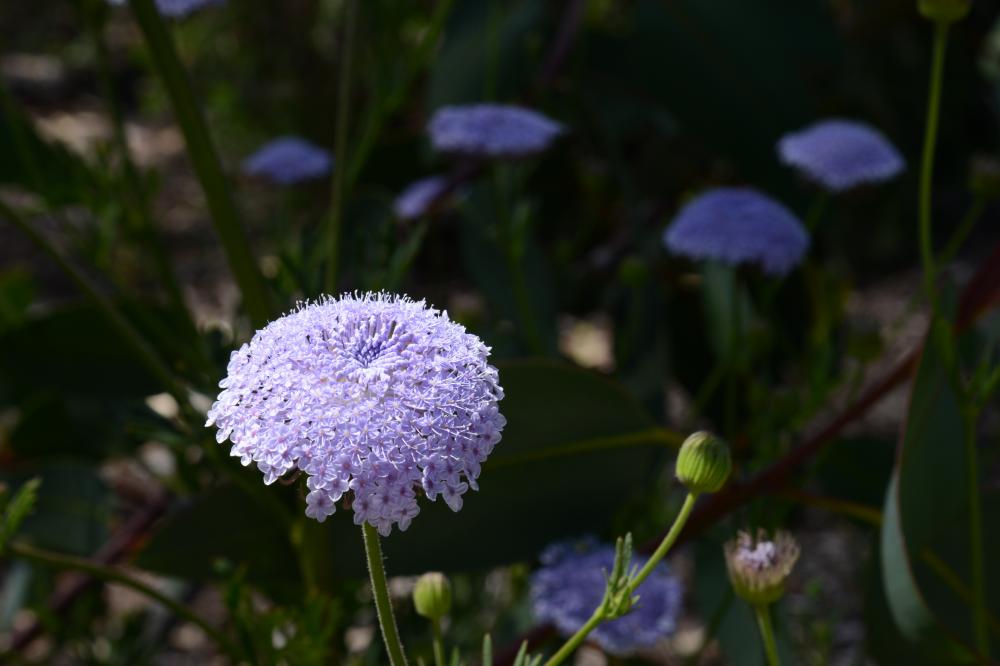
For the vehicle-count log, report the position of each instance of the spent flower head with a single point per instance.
(758, 565)
(491, 130)
(841, 154)
(572, 582)
(288, 160)
(374, 395)
(738, 225)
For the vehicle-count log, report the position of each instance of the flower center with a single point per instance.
(761, 556)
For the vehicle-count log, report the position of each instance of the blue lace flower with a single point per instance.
(841, 154)
(416, 199)
(178, 8)
(373, 395)
(736, 225)
(570, 585)
(289, 160)
(491, 130)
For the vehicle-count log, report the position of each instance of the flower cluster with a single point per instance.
(571, 584)
(841, 154)
(373, 394)
(737, 225)
(178, 8)
(416, 200)
(289, 160)
(491, 130)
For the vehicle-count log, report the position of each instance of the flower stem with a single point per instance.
(666, 544)
(438, 642)
(577, 639)
(205, 160)
(962, 231)
(109, 574)
(767, 633)
(599, 614)
(979, 612)
(380, 590)
(927, 164)
(340, 145)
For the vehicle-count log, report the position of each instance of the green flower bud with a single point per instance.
(758, 567)
(432, 596)
(703, 465)
(945, 11)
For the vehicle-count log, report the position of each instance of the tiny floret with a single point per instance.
(491, 130)
(571, 583)
(703, 464)
(736, 225)
(841, 154)
(178, 8)
(432, 596)
(372, 396)
(758, 566)
(419, 197)
(289, 160)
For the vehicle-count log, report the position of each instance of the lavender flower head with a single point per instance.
(571, 583)
(289, 160)
(417, 199)
(491, 130)
(841, 154)
(178, 8)
(737, 225)
(372, 394)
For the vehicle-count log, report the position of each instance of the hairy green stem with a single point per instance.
(60, 561)
(666, 544)
(205, 161)
(340, 146)
(380, 591)
(767, 633)
(438, 642)
(979, 612)
(600, 613)
(927, 163)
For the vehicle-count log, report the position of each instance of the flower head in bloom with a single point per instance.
(372, 394)
(491, 130)
(178, 8)
(571, 584)
(288, 160)
(416, 200)
(736, 225)
(841, 154)
(758, 565)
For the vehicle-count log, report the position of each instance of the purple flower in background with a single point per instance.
(417, 198)
(841, 154)
(373, 394)
(571, 583)
(737, 225)
(288, 160)
(491, 130)
(178, 8)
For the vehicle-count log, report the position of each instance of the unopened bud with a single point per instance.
(703, 464)
(432, 596)
(944, 11)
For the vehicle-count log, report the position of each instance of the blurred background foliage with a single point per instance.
(661, 98)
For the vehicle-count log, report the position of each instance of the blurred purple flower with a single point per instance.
(178, 8)
(571, 583)
(288, 160)
(736, 225)
(414, 201)
(374, 394)
(841, 154)
(491, 130)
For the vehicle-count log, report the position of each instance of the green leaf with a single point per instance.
(17, 509)
(926, 499)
